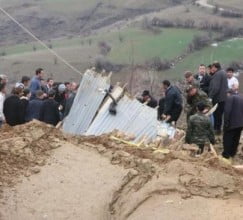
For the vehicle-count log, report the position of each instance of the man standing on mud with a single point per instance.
(233, 124)
(218, 92)
(203, 78)
(172, 102)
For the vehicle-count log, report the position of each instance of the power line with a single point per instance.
(41, 42)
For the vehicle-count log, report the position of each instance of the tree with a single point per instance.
(104, 47)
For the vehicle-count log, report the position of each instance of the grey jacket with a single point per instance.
(218, 87)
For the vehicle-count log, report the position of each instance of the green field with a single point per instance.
(144, 44)
(225, 53)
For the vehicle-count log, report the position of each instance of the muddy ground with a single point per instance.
(45, 174)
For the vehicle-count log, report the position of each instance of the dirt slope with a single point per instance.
(45, 174)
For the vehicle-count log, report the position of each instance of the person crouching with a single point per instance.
(200, 130)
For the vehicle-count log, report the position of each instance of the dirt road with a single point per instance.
(204, 3)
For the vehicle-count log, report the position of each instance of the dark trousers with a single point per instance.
(218, 116)
(231, 141)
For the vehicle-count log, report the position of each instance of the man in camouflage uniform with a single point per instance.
(194, 96)
(190, 79)
(200, 130)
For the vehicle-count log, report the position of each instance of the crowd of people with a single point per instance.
(36, 98)
(211, 88)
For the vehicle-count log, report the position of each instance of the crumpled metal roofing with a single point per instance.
(132, 117)
(86, 103)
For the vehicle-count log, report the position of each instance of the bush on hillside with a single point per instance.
(199, 42)
(157, 64)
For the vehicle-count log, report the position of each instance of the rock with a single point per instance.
(35, 170)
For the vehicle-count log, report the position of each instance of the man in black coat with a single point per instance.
(34, 107)
(49, 112)
(172, 102)
(147, 98)
(233, 124)
(13, 108)
(218, 92)
(203, 78)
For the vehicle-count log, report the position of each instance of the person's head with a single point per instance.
(145, 95)
(50, 82)
(51, 94)
(215, 67)
(3, 79)
(25, 81)
(19, 85)
(189, 77)
(74, 86)
(26, 93)
(3, 88)
(166, 84)
(18, 91)
(231, 92)
(39, 94)
(201, 106)
(202, 69)
(39, 73)
(230, 72)
(209, 69)
(68, 86)
(191, 90)
(61, 88)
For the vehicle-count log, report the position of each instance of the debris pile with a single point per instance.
(24, 148)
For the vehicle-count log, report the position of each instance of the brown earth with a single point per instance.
(45, 174)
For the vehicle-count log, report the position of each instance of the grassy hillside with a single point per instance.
(145, 45)
(225, 52)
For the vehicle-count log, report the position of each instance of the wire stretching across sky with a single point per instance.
(40, 42)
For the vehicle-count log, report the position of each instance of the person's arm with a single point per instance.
(215, 88)
(2, 118)
(57, 113)
(211, 136)
(227, 111)
(21, 112)
(169, 100)
(42, 112)
(189, 132)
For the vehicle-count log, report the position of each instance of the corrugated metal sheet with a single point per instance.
(132, 118)
(86, 103)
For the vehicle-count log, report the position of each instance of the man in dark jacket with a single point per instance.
(218, 92)
(49, 112)
(12, 108)
(34, 107)
(147, 98)
(233, 124)
(203, 78)
(173, 102)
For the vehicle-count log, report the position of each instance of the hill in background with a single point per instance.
(152, 40)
